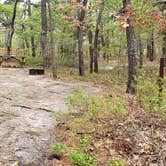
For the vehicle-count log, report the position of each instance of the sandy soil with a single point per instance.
(28, 105)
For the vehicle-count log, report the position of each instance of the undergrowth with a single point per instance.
(105, 129)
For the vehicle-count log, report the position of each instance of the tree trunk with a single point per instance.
(98, 22)
(107, 43)
(81, 16)
(26, 40)
(44, 50)
(80, 52)
(164, 46)
(103, 42)
(61, 51)
(52, 43)
(150, 47)
(140, 52)
(11, 31)
(90, 37)
(132, 54)
(32, 36)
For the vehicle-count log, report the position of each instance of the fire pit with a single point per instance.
(36, 71)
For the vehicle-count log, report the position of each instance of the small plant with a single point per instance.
(38, 60)
(85, 141)
(59, 147)
(77, 98)
(81, 159)
(116, 105)
(60, 117)
(94, 105)
(117, 162)
(148, 92)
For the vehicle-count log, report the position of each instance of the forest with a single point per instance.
(83, 82)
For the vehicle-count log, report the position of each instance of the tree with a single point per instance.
(32, 36)
(140, 51)
(52, 43)
(150, 46)
(98, 26)
(81, 16)
(131, 48)
(11, 31)
(90, 38)
(44, 49)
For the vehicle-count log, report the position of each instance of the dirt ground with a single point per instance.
(28, 105)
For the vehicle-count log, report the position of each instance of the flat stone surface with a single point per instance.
(28, 105)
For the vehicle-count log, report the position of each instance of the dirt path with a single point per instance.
(28, 105)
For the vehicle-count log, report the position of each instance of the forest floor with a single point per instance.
(29, 105)
(106, 127)
(113, 128)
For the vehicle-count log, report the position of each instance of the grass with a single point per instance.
(58, 147)
(107, 121)
(80, 132)
(104, 130)
(34, 61)
(81, 159)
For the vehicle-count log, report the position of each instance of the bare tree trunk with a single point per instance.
(103, 42)
(150, 47)
(52, 43)
(44, 50)
(132, 54)
(61, 50)
(140, 52)
(32, 36)
(26, 40)
(11, 31)
(81, 16)
(90, 37)
(107, 43)
(164, 46)
(120, 46)
(98, 22)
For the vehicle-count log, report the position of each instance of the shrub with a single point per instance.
(59, 147)
(148, 92)
(117, 162)
(81, 159)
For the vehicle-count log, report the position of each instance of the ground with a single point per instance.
(28, 108)
(110, 125)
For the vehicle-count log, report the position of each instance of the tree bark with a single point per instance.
(107, 42)
(164, 46)
(132, 54)
(98, 22)
(90, 37)
(44, 50)
(26, 40)
(103, 42)
(150, 47)
(140, 52)
(11, 31)
(81, 16)
(32, 36)
(52, 43)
